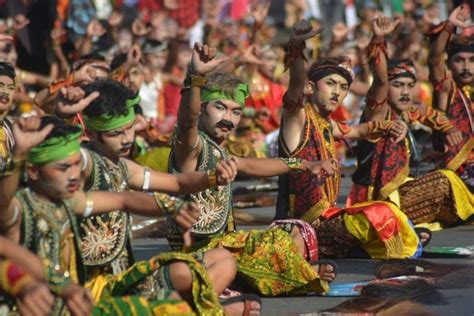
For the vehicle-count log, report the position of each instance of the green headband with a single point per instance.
(55, 149)
(107, 122)
(240, 94)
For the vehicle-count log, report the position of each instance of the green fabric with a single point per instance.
(107, 122)
(55, 148)
(240, 94)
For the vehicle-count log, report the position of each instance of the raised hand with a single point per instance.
(340, 31)
(115, 19)
(302, 31)
(35, 299)
(134, 55)
(27, 134)
(226, 171)
(383, 26)
(249, 56)
(78, 300)
(139, 28)
(461, 16)
(94, 28)
(259, 10)
(72, 101)
(204, 61)
(398, 131)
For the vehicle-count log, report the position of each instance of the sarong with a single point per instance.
(269, 262)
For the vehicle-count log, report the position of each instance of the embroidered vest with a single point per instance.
(215, 204)
(106, 237)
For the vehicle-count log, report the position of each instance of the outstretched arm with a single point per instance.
(371, 130)
(377, 55)
(181, 183)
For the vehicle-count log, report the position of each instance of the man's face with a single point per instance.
(462, 67)
(329, 92)
(134, 79)
(59, 179)
(219, 118)
(7, 91)
(400, 93)
(157, 60)
(117, 142)
(269, 60)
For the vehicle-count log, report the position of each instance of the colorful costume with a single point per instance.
(383, 168)
(339, 231)
(260, 261)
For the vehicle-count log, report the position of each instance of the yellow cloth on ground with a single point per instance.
(463, 198)
(359, 226)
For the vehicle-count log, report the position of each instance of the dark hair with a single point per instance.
(377, 305)
(175, 47)
(118, 61)
(397, 267)
(88, 58)
(6, 69)
(331, 65)
(112, 99)
(60, 128)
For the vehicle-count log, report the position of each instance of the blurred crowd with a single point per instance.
(151, 41)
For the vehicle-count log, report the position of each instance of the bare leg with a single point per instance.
(325, 271)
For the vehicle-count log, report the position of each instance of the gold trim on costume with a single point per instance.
(462, 155)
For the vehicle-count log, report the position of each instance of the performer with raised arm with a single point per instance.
(453, 81)
(210, 109)
(307, 132)
(383, 165)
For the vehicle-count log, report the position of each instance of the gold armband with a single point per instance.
(377, 129)
(437, 120)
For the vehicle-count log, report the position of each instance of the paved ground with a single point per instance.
(459, 301)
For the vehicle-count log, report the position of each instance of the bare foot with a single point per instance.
(239, 308)
(326, 272)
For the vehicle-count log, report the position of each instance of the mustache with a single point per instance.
(73, 182)
(128, 146)
(404, 98)
(466, 73)
(226, 124)
(334, 98)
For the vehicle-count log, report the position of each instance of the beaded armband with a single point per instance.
(376, 129)
(13, 278)
(294, 164)
(169, 204)
(437, 120)
(194, 81)
(8, 165)
(376, 47)
(57, 278)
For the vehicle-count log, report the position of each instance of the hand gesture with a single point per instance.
(461, 16)
(139, 28)
(134, 55)
(340, 31)
(302, 31)
(259, 10)
(56, 34)
(204, 61)
(321, 169)
(78, 300)
(72, 101)
(35, 299)
(398, 131)
(20, 21)
(383, 26)
(115, 19)
(454, 137)
(226, 171)
(186, 217)
(94, 28)
(249, 56)
(27, 134)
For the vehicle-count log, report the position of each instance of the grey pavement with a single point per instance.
(459, 301)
